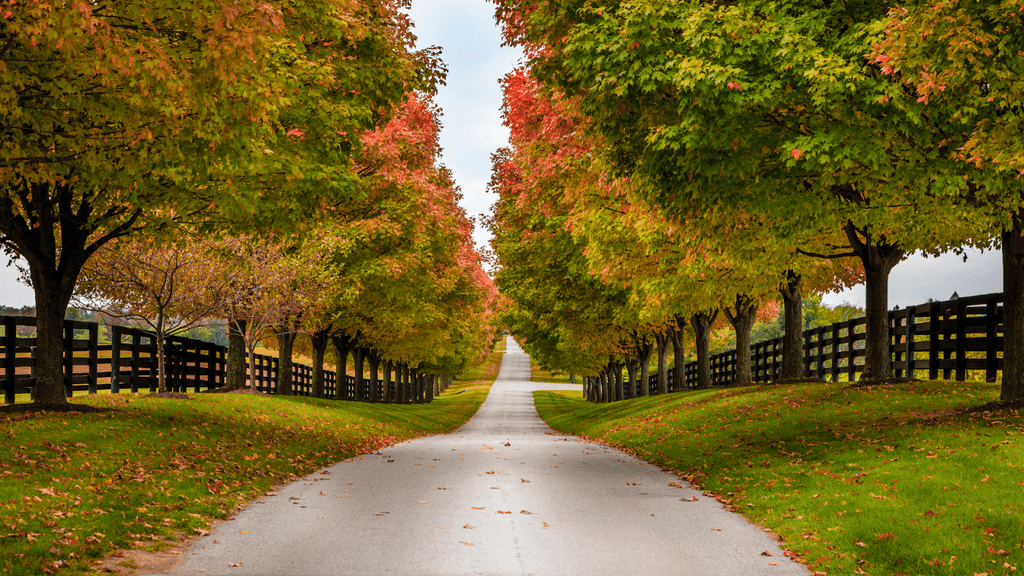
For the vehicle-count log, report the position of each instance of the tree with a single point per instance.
(960, 63)
(169, 288)
(118, 116)
(698, 100)
(257, 290)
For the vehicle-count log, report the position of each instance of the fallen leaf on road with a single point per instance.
(716, 529)
(767, 553)
(469, 526)
(545, 524)
(525, 512)
(243, 531)
(773, 563)
(692, 499)
(525, 480)
(234, 564)
(422, 501)
(478, 507)
(322, 493)
(492, 472)
(346, 492)
(468, 543)
(503, 512)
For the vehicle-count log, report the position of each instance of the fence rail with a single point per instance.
(949, 340)
(129, 362)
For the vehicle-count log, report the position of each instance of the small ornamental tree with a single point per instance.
(166, 287)
(257, 290)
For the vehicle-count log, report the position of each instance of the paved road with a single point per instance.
(502, 495)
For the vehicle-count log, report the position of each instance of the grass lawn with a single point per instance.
(884, 480)
(538, 375)
(77, 487)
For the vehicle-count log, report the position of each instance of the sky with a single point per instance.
(472, 131)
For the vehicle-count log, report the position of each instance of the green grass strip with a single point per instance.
(897, 479)
(77, 487)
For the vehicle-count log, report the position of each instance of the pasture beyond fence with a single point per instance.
(129, 363)
(952, 340)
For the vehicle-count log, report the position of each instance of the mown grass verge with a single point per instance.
(907, 479)
(78, 487)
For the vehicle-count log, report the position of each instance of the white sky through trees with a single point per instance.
(472, 131)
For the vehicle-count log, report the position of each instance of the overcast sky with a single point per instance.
(471, 103)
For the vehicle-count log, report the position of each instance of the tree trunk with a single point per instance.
(645, 367)
(341, 346)
(406, 384)
(285, 347)
(55, 228)
(357, 359)
(793, 335)
(742, 321)
(375, 392)
(49, 359)
(629, 390)
(662, 341)
(387, 382)
(235, 378)
(1013, 311)
(252, 366)
(679, 355)
(400, 383)
(319, 341)
(431, 382)
(701, 323)
(619, 384)
(602, 386)
(416, 382)
(879, 258)
(161, 354)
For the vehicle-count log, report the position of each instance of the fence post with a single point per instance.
(992, 321)
(10, 353)
(69, 358)
(934, 332)
(909, 344)
(851, 367)
(961, 340)
(822, 330)
(94, 355)
(115, 359)
(136, 344)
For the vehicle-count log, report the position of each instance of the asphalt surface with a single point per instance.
(504, 494)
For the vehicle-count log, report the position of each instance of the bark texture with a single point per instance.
(285, 347)
(879, 257)
(662, 345)
(742, 315)
(1013, 311)
(319, 341)
(235, 377)
(793, 333)
(701, 324)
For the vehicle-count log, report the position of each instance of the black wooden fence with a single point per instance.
(957, 339)
(129, 363)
